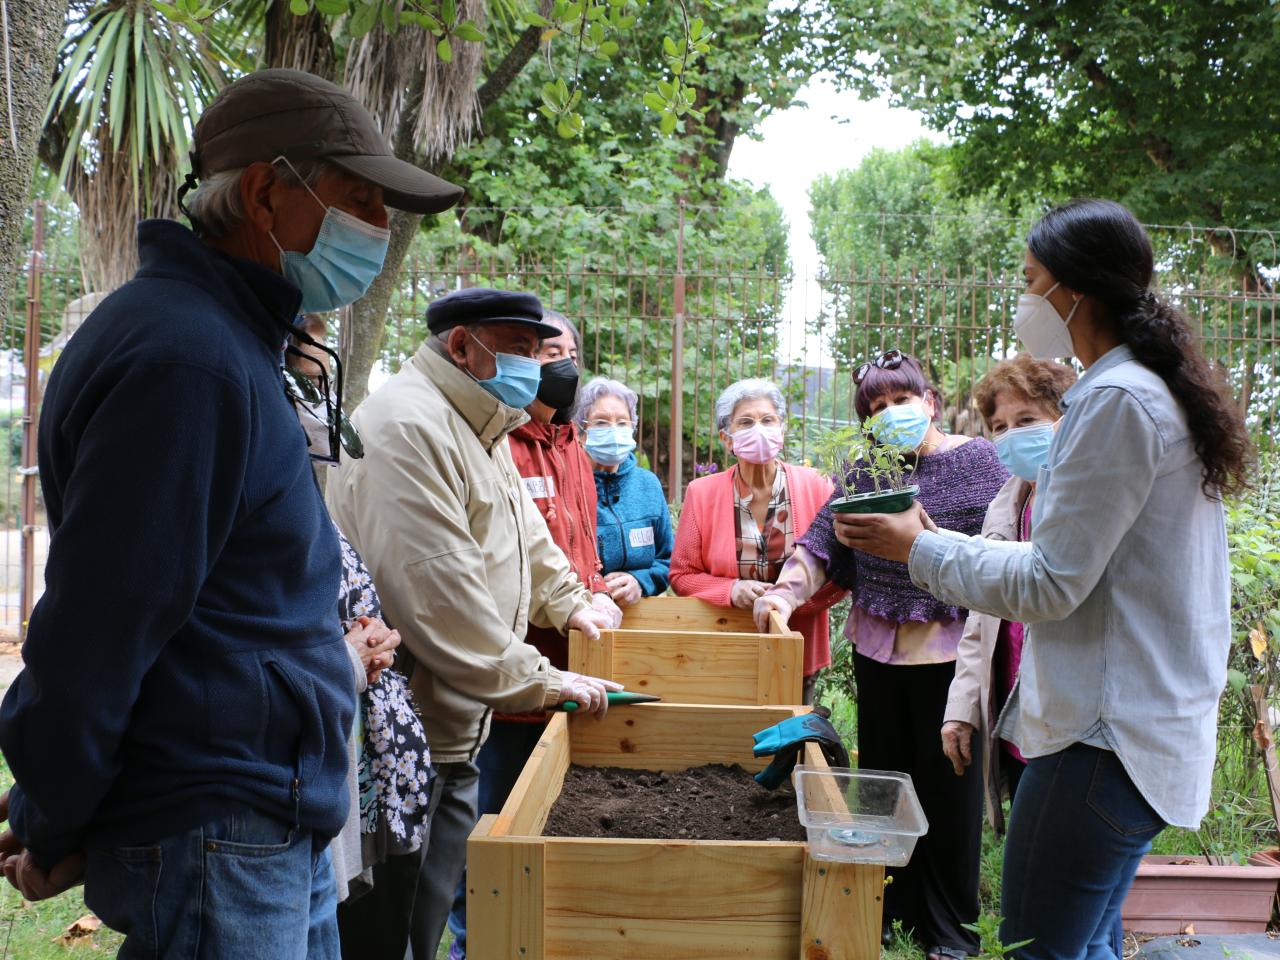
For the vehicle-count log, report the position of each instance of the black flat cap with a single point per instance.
(300, 116)
(485, 305)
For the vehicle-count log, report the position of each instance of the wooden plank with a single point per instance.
(677, 688)
(505, 884)
(611, 938)
(591, 657)
(672, 736)
(843, 905)
(780, 668)
(685, 613)
(675, 880)
(641, 653)
(530, 801)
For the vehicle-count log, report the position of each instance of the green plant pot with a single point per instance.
(882, 501)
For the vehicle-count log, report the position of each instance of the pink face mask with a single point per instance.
(758, 444)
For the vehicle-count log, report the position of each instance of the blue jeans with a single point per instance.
(1077, 831)
(246, 887)
(500, 760)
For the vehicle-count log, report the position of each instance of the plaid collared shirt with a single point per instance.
(762, 550)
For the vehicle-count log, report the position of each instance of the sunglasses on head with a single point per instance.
(889, 360)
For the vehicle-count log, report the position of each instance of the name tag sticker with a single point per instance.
(642, 537)
(540, 488)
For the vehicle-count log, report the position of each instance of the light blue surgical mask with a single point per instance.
(609, 446)
(1024, 450)
(903, 426)
(342, 263)
(516, 379)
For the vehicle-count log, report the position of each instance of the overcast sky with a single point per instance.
(831, 132)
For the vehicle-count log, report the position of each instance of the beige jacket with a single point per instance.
(972, 697)
(460, 555)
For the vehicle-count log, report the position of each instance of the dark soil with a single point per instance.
(713, 802)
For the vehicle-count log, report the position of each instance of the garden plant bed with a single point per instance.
(536, 897)
(711, 802)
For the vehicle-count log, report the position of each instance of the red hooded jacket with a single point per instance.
(558, 476)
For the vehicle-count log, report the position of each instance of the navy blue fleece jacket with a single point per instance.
(185, 661)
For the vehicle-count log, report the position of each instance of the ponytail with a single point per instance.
(1097, 247)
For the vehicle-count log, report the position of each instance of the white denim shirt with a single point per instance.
(1124, 587)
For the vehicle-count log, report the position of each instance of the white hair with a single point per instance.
(750, 389)
(600, 387)
(215, 204)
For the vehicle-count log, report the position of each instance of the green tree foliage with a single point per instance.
(1168, 107)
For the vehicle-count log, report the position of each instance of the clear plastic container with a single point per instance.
(859, 816)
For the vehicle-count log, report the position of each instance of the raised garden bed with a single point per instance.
(1169, 893)
(533, 897)
(697, 666)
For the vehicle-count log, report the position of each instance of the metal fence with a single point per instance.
(677, 330)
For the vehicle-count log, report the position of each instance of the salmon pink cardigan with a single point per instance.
(704, 563)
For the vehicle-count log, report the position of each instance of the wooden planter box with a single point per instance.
(531, 897)
(686, 613)
(686, 665)
(1168, 894)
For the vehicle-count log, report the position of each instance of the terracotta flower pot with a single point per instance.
(877, 501)
(1170, 892)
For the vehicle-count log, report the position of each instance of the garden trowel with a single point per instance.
(617, 698)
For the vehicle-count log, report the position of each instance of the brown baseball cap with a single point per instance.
(300, 116)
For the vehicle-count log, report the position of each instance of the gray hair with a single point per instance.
(750, 389)
(601, 387)
(215, 207)
(558, 319)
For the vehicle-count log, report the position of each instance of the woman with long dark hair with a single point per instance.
(1125, 587)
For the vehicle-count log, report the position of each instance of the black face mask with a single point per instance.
(559, 387)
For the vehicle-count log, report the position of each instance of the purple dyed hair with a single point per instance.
(907, 376)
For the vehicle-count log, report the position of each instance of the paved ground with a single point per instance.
(1210, 946)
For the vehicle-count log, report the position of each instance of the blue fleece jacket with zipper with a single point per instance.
(185, 661)
(633, 526)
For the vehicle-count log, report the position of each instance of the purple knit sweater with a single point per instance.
(956, 487)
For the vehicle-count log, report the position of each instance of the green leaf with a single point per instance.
(444, 50)
(467, 30)
(551, 95)
(670, 47)
(448, 13)
(299, 8)
(595, 13)
(667, 89)
(1236, 680)
(332, 8)
(390, 22)
(667, 124)
(565, 128)
(534, 19)
(655, 102)
(596, 33)
(363, 19)
(549, 112)
(695, 28)
(608, 49)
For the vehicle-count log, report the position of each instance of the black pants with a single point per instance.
(375, 925)
(900, 712)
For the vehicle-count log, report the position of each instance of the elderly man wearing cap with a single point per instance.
(461, 555)
(178, 737)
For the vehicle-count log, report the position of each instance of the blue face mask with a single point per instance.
(516, 380)
(347, 255)
(609, 446)
(1024, 450)
(902, 425)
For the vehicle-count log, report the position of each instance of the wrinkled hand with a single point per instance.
(886, 535)
(623, 587)
(604, 603)
(37, 884)
(766, 605)
(375, 642)
(745, 592)
(590, 621)
(590, 693)
(957, 744)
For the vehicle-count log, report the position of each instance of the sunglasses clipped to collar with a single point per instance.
(889, 360)
(320, 402)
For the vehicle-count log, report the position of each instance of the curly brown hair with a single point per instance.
(1043, 382)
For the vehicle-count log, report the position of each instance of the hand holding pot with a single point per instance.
(766, 605)
(957, 744)
(744, 593)
(886, 535)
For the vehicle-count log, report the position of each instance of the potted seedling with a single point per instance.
(855, 460)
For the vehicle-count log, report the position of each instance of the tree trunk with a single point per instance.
(26, 62)
(299, 42)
